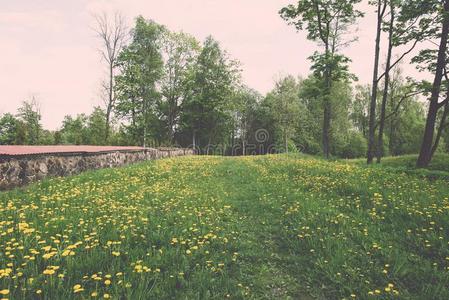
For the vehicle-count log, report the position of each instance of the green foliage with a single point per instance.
(355, 146)
(421, 20)
(8, 129)
(285, 105)
(141, 66)
(74, 130)
(318, 17)
(206, 111)
(83, 129)
(326, 22)
(96, 127)
(180, 52)
(29, 114)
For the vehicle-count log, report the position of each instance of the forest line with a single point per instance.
(168, 88)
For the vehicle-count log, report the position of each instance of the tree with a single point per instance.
(380, 140)
(309, 123)
(96, 126)
(207, 109)
(179, 52)
(246, 104)
(381, 9)
(326, 22)
(74, 130)
(140, 70)
(286, 107)
(112, 34)
(435, 13)
(398, 35)
(29, 113)
(359, 108)
(8, 129)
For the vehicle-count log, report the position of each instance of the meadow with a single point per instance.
(265, 227)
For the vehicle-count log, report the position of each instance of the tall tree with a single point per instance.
(327, 22)
(436, 13)
(398, 35)
(381, 9)
(29, 113)
(8, 129)
(141, 67)
(207, 108)
(74, 130)
(179, 52)
(286, 108)
(359, 108)
(96, 126)
(245, 113)
(390, 28)
(112, 33)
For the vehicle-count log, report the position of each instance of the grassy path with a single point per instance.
(264, 259)
(272, 227)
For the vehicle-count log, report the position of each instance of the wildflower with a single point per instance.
(77, 288)
(67, 253)
(48, 272)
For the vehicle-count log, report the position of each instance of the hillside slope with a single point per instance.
(270, 227)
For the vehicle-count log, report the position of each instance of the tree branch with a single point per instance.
(398, 60)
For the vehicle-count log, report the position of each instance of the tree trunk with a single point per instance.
(208, 144)
(392, 130)
(327, 108)
(380, 140)
(144, 123)
(194, 141)
(442, 125)
(425, 154)
(373, 102)
(326, 126)
(171, 125)
(172, 111)
(110, 100)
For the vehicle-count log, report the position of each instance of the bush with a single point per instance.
(356, 146)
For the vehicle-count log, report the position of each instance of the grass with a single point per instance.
(271, 227)
(440, 162)
(438, 168)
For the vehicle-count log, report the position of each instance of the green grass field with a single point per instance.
(268, 227)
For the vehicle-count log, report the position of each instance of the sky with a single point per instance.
(49, 49)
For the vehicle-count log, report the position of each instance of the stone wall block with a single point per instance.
(20, 170)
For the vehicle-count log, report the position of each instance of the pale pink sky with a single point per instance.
(48, 48)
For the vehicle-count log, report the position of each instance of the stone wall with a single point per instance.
(17, 170)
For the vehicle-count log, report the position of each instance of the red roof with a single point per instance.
(27, 150)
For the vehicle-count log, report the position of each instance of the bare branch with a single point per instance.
(112, 33)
